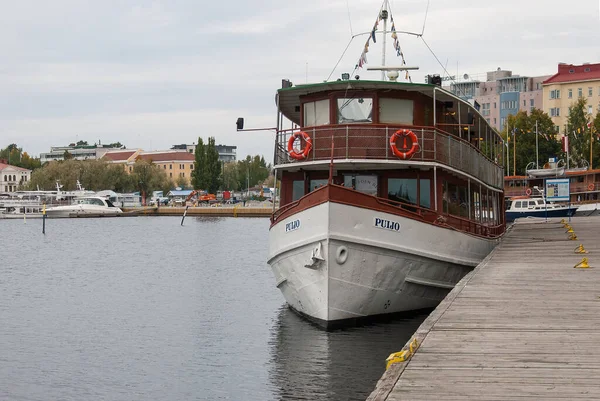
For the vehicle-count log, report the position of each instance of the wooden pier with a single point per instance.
(525, 324)
(234, 211)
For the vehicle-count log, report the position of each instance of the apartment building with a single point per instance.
(570, 83)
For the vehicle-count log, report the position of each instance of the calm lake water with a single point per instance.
(142, 308)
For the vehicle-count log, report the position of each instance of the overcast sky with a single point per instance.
(152, 74)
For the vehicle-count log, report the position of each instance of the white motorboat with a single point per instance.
(91, 206)
(387, 198)
(549, 170)
(526, 206)
(589, 209)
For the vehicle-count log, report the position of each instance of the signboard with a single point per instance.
(557, 190)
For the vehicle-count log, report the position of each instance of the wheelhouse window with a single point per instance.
(355, 110)
(399, 111)
(316, 113)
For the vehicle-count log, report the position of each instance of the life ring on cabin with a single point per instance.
(303, 153)
(404, 133)
(591, 187)
(528, 191)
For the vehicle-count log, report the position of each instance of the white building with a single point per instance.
(12, 176)
(77, 152)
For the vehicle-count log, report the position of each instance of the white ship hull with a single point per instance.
(335, 262)
(82, 211)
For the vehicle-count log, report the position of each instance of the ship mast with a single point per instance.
(384, 17)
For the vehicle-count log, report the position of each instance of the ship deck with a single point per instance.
(522, 325)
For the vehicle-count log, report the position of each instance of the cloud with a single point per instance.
(153, 74)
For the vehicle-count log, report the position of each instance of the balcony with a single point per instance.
(372, 143)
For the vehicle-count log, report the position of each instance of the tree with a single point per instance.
(82, 143)
(148, 177)
(67, 155)
(522, 128)
(181, 182)
(579, 134)
(213, 167)
(199, 180)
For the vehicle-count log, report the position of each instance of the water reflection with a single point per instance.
(308, 363)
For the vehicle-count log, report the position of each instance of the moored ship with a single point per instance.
(390, 193)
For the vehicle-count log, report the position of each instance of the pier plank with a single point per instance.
(523, 325)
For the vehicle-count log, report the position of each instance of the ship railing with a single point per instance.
(482, 228)
(372, 142)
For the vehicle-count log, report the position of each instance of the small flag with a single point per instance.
(373, 36)
(589, 125)
(565, 144)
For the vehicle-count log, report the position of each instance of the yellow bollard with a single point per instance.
(572, 236)
(583, 264)
(570, 230)
(580, 249)
(395, 358)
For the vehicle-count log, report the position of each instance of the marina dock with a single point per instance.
(525, 324)
(233, 211)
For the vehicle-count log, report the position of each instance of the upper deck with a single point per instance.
(358, 118)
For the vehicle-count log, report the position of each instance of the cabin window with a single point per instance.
(475, 206)
(355, 110)
(398, 111)
(454, 200)
(314, 184)
(403, 190)
(425, 193)
(531, 203)
(517, 204)
(316, 113)
(297, 190)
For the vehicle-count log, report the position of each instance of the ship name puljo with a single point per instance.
(386, 224)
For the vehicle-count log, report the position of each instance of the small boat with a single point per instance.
(91, 206)
(21, 212)
(526, 206)
(550, 169)
(589, 209)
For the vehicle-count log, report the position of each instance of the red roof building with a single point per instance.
(570, 83)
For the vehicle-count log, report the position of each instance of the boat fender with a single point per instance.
(302, 153)
(404, 133)
(341, 255)
(591, 187)
(528, 191)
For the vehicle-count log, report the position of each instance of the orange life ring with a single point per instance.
(303, 153)
(591, 187)
(528, 191)
(404, 133)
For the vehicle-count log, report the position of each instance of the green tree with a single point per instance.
(596, 138)
(82, 143)
(181, 182)
(67, 155)
(522, 128)
(213, 167)
(148, 177)
(580, 136)
(199, 176)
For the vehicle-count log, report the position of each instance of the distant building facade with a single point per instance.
(227, 153)
(502, 94)
(12, 176)
(78, 152)
(570, 83)
(175, 163)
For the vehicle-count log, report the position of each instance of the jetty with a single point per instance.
(221, 211)
(524, 324)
